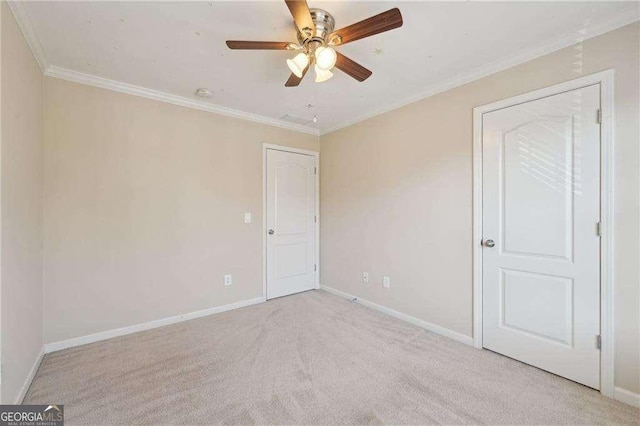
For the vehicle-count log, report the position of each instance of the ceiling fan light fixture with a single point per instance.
(298, 64)
(322, 75)
(326, 58)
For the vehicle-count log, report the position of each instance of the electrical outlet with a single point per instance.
(386, 282)
(227, 280)
(247, 217)
(365, 277)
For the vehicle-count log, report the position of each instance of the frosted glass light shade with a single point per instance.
(298, 64)
(325, 58)
(322, 75)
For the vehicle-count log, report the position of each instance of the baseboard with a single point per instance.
(467, 340)
(109, 334)
(626, 396)
(29, 379)
(620, 394)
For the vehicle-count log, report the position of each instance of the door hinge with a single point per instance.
(599, 342)
(315, 219)
(599, 229)
(599, 116)
(315, 267)
(315, 170)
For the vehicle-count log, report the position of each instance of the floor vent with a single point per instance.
(297, 120)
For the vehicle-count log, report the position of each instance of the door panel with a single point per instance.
(541, 206)
(291, 260)
(291, 213)
(537, 186)
(537, 304)
(291, 210)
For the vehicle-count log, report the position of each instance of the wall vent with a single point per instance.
(297, 120)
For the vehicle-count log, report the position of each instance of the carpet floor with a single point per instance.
(311, 358)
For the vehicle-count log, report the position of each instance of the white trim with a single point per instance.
(628, 17)
(24, 23)
(285, 148)
(109, 334)
(606, 81)
(317, 239)
(459, 337)
(30, 376)
(607, 298)
(156, 95)
(316, 155)
(477, 229)
(549, 46)
(626, 396)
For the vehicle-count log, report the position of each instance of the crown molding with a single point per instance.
(130, 89)
(545, 48)
(22, 18)
(24, 23)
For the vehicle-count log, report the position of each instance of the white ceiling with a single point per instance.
(177, 47)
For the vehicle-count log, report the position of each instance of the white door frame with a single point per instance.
(316, 156)
(606, 81)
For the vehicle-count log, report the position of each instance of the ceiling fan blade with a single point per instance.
(352, 68)
(258, 45)
(385, 21)
(294, 80)
(301, 15)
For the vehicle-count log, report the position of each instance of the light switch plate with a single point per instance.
(247, 217)
(386, 282)
(365, 277)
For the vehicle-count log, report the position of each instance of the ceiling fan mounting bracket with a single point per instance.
(293, 46)
(335, 40)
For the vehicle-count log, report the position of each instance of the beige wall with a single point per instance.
(144, 202)
(144, 208)
(396, 195)
(21, 208)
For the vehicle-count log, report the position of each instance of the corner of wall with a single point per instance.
(21, 209)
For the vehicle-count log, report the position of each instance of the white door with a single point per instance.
(291, 209)
(541, 208)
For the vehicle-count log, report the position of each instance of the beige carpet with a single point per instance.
(312, 358)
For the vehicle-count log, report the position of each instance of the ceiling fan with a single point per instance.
(317, 39)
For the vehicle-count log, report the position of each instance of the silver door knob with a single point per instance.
(271, 232)
(489, 243)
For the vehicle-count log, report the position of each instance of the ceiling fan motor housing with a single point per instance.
(324, 25)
